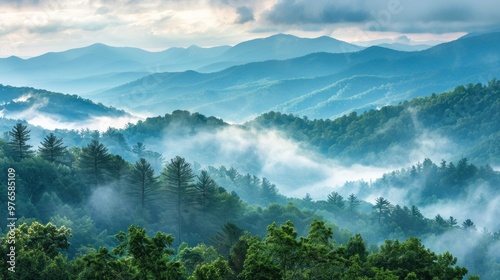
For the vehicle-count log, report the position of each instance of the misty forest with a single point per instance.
(331, 171)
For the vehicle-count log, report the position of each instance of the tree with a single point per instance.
(103, 265)
(232, 174)
(94, 162)
(149, 254)
(52, 148)
(382, 207)
(452, 221)
(284, 248)
(179, 189)
(37, 251)
(356, 246)
(259, 264)
(206, 194)
(225, 239)
(403, 258)
(139, 149)
(216, 270)
(469, 225)
(19, 136)
(143, 185)
(336, 200)
(315, 250)
(190, 257)
(238, 252)
(269, 193)
(353, 202)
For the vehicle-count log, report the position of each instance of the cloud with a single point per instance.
(315, 12)
(480, 204)
(245, 14)
(21, 3)
(47, 27)
(393, 15)
(38, 26)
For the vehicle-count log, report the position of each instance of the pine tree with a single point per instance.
(143, 185)
(179, 176)
(353, 202)
(226, 238)
(139, 149)
(382, 207)
(336, 200)
(94, 162)
(20, 135)
(206, 195)
(52, 148)
(268, 191)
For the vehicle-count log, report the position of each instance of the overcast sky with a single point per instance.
(33, 27)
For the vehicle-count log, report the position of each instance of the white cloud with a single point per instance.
(35, 27)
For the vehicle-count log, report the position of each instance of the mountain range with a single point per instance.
(98, 66)
(318, 85)
(318, 78)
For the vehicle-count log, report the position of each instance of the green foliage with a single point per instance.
(37, 252)
(149, 255)
(19, 137)
(94, 162)
(223, 204)
(143, 188)
(190, 258)
(226, 238)
(467, 115)
(178, 179)
(103, 265)
(336, 200)
(52, 148)
(411, 256)
(216, 270)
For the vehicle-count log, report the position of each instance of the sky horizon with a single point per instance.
(33, 27)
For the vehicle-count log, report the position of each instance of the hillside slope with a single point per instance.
(49, 109)
(459, 123)
(320, 85)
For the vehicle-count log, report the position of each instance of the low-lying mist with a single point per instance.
(295, 168)
(35, 115)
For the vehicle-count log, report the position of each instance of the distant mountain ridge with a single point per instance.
(318, 85)
(30, 104)
(98, 66)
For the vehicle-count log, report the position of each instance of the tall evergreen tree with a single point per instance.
(353, 202)
(52, 148)
(19, 136)
(143, 184)
(94, 162)
(226, 238)
(382, 208)
(206, 195)
(139, 149)
(336, 200)
(179, 176)
(268, 191)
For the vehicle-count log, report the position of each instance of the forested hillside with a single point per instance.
(110, 203)
(467, 116)
(55, 110)
(75, 207)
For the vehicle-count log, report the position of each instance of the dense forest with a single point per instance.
(93, 205)
(468, 115)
